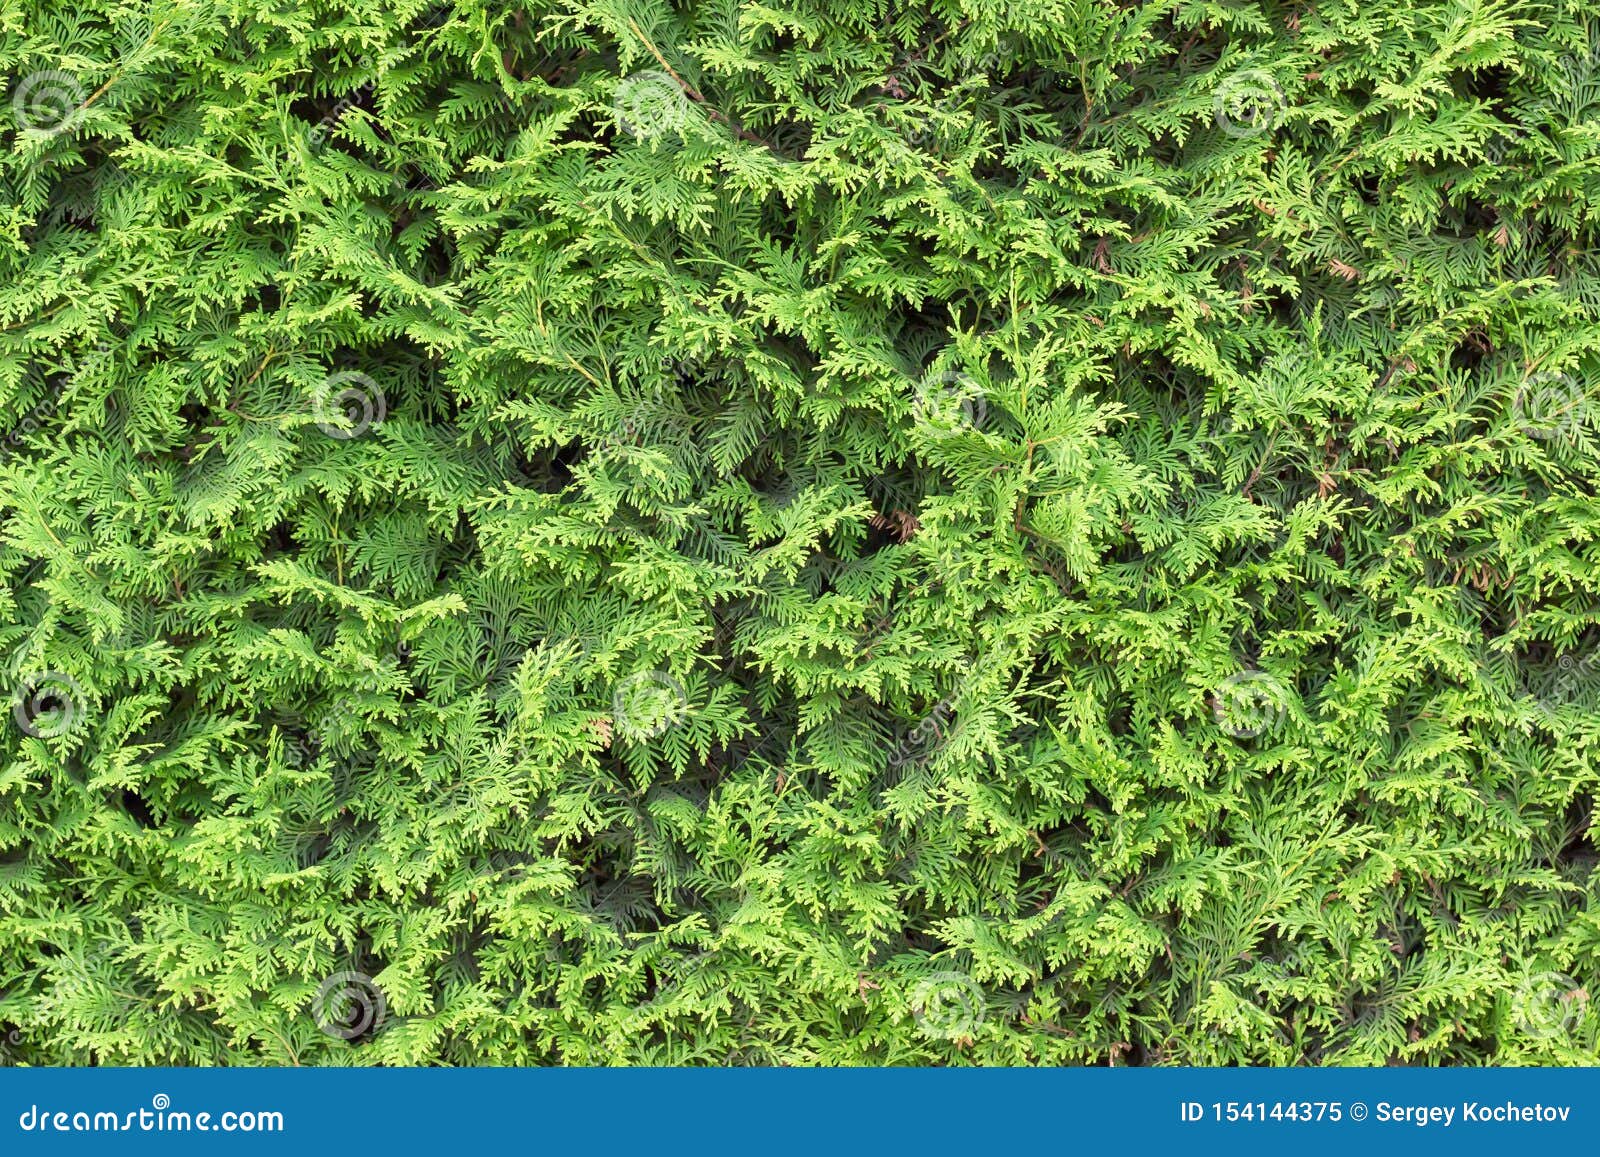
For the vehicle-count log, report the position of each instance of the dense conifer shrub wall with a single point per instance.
(835, 532)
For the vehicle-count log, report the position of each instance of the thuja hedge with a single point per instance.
(829, 533)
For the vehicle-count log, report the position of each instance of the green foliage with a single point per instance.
(967, 533)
